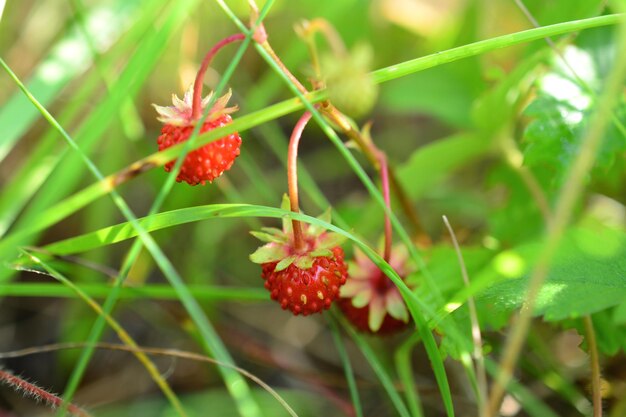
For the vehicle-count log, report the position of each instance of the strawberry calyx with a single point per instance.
(181, 112)
(371, 292)
(281, 248)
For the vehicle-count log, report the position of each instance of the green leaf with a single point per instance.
(588, 274)
(563, 106)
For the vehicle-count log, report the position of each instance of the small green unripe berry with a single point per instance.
(350, 86)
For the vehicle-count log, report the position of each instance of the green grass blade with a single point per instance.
(347, 366)
(152, 291)
(378, 368)
(404, 368)
(477, 48)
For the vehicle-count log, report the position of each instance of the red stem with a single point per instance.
(384, 177)
(292, 178)
(37, 393)
(196, 109)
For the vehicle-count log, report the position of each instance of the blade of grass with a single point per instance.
(234, 382)
(119, 330)
(377, 367)
(347, 366)
(152, 291)
(402, 358)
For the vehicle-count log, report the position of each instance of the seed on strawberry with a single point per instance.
(303, 281)
(210, 161)
(370, 300)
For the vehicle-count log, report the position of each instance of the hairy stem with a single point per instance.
(31, 390)
(196, 109)
(292, 178)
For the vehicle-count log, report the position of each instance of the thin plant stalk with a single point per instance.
(596, 380)
(28, 389)
(292, 178)
(476, 335)
(176, 353)
(196, 108)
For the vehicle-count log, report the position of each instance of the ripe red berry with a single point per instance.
(370, 300)
(210, 161)
(303, 281)
(307, 290)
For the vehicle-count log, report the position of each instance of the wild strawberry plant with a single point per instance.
(513, 307)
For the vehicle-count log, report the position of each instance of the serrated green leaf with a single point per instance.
(588, 275)
(268, 253)
(564, 102)
(284, 264)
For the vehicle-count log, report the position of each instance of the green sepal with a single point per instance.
(268, 253)
(322, 252)
(284, 264)
(330, 240)
(363, 298)
(396, 307)
(377, 314)
(315, 230)
(304, 262)
(273, 231)
(269, 238)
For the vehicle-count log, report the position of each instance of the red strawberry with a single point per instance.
(210, 161)
(370, 300)
(304, 282)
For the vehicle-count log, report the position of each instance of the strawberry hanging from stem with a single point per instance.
(302, 264)
(211, 160)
